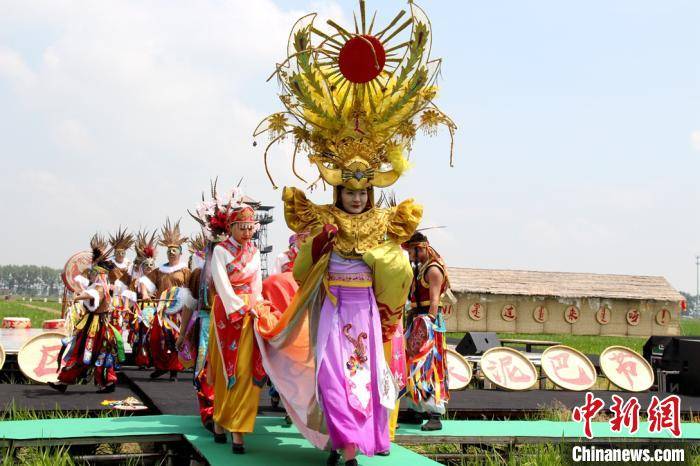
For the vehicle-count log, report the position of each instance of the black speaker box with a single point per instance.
(475, 343)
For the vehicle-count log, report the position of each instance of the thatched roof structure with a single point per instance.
(561, 284)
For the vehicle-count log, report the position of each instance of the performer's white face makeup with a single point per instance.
(119, 255)
(353, 200)
(148, 265)
(174, 255)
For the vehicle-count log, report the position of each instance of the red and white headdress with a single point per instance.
(218, 214)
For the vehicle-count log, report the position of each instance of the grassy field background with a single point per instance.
(38, 311)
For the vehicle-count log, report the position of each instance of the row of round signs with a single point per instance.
(502, 366)
(572, 314)
(566, 367)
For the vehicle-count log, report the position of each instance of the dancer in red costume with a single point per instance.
(96, 345)
(166, 324)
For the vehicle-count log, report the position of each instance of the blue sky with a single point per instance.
(577, 149)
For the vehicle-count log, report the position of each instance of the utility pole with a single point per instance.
(697, 289)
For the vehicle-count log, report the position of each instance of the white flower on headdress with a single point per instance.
(236, 196)
(205, 209)
(223, 200)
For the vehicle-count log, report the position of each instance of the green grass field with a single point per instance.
(25, 309)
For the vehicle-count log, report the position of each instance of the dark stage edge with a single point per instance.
(44, 398)
(178, 397)
(475, 403)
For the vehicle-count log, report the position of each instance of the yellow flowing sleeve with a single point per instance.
(299, 213)
(392, 276)
(404, 220)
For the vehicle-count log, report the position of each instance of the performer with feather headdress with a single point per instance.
(120, 275)
(354, 102)
(142, 318)
(120, 278)
(193, 340)
(95, 344)
(168, 282)
(234, 363)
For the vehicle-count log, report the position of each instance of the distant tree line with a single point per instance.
(30, 280)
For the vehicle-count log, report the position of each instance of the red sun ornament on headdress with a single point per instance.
(362, 59)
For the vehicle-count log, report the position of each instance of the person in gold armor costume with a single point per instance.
(356, 114)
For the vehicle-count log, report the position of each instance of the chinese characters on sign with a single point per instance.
(626, 369)
(633, 317)
(47, 361)
(476, 311)
(540, 314)
(568, 368)
(572, 314)
(507, 368)
(662, 414)
(509, 314)
(603, 315)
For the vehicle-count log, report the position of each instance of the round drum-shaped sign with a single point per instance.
(603, 315)
(2, 356)
(38, 357)
(572, 314)
(54, 324)
(75, 266)
(476, 311)
(626, 369)
(540, 314)
(508, 368)
(568, 368)
(663, 317)
(16, 322)
(633, 317)
(509, 313)
(459, 370)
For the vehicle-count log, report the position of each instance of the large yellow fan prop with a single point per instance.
(355, 98)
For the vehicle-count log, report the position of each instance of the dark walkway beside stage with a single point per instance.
(176, 397)
(44, 398)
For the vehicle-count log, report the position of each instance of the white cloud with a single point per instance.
(14, 69)
(695, 139)
(72, 135)
(133, 107)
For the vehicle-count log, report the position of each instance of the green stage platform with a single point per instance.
(537, 432)
(271, 441)
(269, 444)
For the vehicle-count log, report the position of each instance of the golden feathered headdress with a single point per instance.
(145, 246)
(170, 235)
(100, 253)
(197, 243)
(121, 240)
(356, 98)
